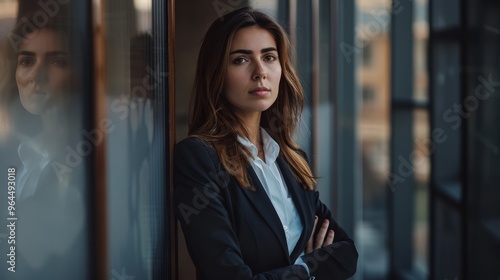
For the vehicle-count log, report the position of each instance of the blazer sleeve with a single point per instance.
(200, 207)
(336, 261)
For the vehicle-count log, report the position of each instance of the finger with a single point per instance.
(309, 246)
(320, 238)
(329, 238)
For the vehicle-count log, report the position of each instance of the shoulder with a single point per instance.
(192, 143)
(193, 149)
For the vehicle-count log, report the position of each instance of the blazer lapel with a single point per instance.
(300, 199)
(265, 208)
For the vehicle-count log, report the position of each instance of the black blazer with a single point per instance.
(234, 233)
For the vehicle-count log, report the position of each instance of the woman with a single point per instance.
(40, 96)
(48, 199)
(244, 192)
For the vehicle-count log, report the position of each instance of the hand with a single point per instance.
(322, 239)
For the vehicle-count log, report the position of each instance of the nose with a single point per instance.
(39, 74)
(259, 72)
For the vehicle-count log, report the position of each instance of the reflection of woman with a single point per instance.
(43, 76)
(244, 192)
(49, 204)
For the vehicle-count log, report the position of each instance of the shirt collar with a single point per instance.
(271, 148)
(30, 155)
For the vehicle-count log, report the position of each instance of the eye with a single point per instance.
(270, 57)
(239, 60)
(59, 61)
(25, 61)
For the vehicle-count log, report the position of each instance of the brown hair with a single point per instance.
(27, 24)
(211, 117)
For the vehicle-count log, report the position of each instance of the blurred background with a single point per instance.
(400, 124)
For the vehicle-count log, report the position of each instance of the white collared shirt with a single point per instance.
(272, 180)
(33, 162)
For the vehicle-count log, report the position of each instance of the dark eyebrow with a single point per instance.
(26, 53)
(251, 52)
(268, 50)
(241, 51)
(54, 53)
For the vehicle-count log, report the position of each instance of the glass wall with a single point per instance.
(84, 140)
(482, 101)
(391, 38)
(137, 142)
(372, 59)
(44, 207)
(422, 144)
(465, 73)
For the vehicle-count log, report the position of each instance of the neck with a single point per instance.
(55, 131)
(251, 122)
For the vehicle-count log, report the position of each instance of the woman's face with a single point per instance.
(43, 72)
(253, 72)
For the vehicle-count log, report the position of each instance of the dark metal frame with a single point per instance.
(401, 197)
(165, 258)
(346, 152)
(443, 192)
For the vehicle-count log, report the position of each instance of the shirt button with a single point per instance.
(285, 228)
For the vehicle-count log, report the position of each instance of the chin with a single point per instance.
(264, 106)
(34, 109)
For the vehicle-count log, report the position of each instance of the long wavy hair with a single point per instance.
(211, 118)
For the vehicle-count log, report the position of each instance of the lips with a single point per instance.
(260, 91)
(37, 95)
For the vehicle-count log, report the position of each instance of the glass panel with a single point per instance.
(448, 242)
(373, 77)
(270, 7)
(422, 145)
(137, 146)
(421, 162)
(445, 14)
(447, 119)
(483, 140)
(43, 152)
(325, 111)
(303, 66)
(421, 39)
